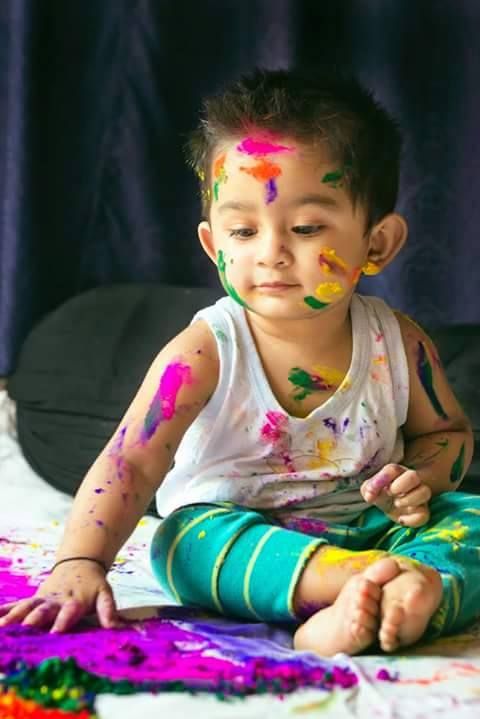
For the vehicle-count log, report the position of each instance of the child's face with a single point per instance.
(283, 231)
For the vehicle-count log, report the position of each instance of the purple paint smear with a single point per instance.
(162, 651)
(213, 654)
(272, 191)
(164, 401)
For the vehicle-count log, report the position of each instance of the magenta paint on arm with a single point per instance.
(163, 405)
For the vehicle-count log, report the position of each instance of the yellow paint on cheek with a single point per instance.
(329, 291)
(330, 261)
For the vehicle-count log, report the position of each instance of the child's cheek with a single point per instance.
(226, 271)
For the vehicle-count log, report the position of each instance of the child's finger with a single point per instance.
(42, 615)
(106, 609)
(416, 518)
(68, 616)
(406, 482)
(380, 481)
(414, 498)
(17, 611)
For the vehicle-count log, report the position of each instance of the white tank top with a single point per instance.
(245, 448)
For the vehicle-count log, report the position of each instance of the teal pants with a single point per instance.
(242, 563)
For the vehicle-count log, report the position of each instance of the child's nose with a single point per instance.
(274, 252)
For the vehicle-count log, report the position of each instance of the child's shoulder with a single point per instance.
(412, 333)
(195, 348)
(432, 402)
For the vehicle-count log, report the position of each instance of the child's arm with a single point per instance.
(438, 437)
(122, 481)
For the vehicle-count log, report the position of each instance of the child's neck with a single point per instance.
(325, 330)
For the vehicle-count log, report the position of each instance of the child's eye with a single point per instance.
(243, 232)
(307, 229)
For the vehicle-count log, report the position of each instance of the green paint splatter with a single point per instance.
(425, 373)
(457, 467)
(314, 303)
(229, 289)
(335, 178)
(303, 383)
(443, 444)
(306, 383)
(220, 334)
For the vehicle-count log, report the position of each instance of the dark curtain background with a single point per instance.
(96, 98)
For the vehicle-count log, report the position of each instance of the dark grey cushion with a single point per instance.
(80, 367)
(459, 349)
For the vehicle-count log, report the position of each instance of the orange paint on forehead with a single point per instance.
(263, 170)
(218, 164)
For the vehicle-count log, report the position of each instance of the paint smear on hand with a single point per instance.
(163, 404)
(382, 481)
(457, 468)
(229, 289)
(425, 373)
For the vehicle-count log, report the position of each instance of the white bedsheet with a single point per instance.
(437, 681)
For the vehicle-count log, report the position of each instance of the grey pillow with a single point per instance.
(459, 350)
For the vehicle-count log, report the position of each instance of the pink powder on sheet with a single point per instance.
(13, 586)
(162, 652)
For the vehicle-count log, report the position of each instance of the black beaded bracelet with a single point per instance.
(87, 559)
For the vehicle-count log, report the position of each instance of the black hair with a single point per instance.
(311, 105)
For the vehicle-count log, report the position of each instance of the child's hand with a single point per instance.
(400, 493)
(71, 591)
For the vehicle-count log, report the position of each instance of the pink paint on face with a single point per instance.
(253, 146)
(163, 404)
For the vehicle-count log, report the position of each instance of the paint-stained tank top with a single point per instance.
(245, 448)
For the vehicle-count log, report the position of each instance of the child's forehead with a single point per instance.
(271, 147)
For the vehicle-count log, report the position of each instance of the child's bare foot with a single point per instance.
(350, 624)
(407, 605)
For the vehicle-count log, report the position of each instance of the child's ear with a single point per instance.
(386, 240)
(206, 240)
